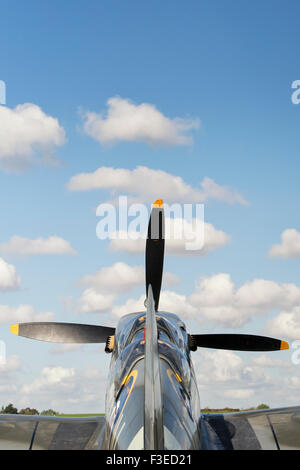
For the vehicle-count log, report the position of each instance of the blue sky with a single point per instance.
(228, 64)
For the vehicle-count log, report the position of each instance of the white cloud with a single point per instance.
(131, 305)
(120, 277)
(92, 300)
(216, 300)
(292, 383)
(286, 324)
(65, 348)
(289, 246)
(8, 388)
(22, 313)
(266, 361)
(12, 364)
(126, 241)
(52, 245)
(9, 278)
(212, 190)
(182, 238)
(50, 377)
(109, 282)
(220, 366)
(227, 379)
(147, 184)
(264, 294)
(219, 301)
(9, 373)
(65, 389)
(239, 393)
(25, 132)
(177, 303)
(169, 302)
(126, 121)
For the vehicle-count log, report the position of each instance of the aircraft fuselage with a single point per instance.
(125, 397)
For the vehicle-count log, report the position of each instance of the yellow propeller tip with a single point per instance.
(14, 329)
(158, 204)
(284, 345)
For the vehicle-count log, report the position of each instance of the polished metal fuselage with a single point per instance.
(128, 400)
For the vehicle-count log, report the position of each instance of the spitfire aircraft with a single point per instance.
(152, 400)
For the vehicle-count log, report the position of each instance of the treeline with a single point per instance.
(262, 406)
(11, 409)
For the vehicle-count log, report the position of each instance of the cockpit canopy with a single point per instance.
(130, 340)
(131, 327)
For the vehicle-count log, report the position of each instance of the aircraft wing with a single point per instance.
(271, 429)
(23, 432)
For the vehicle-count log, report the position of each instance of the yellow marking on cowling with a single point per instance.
(170, 372)
(14, 329)
(178, 378)
(133, 374)
(125, 379)
(284, 345)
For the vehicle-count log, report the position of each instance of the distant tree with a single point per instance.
(28, 411)
(9, 409)
(262, 406)
(49, 413)
(220, 410)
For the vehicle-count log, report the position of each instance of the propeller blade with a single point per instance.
(237, 342)
(155, 246)
(63, 332)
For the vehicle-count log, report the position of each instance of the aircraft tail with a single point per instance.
(153, 415)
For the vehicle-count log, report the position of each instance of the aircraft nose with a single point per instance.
(128, 423)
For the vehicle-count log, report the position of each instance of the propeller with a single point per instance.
(236, 342)
(63, 332)
(154, 260)
(155, 246)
